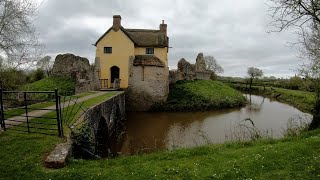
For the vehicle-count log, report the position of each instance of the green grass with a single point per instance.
(22, 156)
(302, 100)
(201, 95)
(64, 85)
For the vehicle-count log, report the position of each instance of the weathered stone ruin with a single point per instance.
(200, 63)
(148, 82)
(77, 68)
(187, 71)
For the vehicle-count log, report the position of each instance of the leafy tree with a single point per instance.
(295, 83)
(254, 73)
(11, 78)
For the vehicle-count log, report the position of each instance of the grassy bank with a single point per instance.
(22, 155)
(302, 100)
(66, 86)
(200, 95)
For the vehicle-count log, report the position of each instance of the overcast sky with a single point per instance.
(234, 32)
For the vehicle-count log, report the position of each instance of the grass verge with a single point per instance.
(302, 100)
(291, 158)
(200, 95)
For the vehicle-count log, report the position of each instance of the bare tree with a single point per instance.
(304, 14)
(18, 37)
(254, 73)
(45, 64)
(298, 13)
(212, 65)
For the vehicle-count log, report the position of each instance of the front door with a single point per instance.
(115, 73)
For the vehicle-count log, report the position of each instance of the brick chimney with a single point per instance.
(116, 22)
(163, 28)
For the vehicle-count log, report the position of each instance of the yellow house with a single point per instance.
(118, 45)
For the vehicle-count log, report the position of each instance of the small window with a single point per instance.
(107, 50)
(149, 51)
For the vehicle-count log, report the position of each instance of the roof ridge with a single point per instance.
(155, 30)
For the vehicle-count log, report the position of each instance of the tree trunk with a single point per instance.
(251, 80)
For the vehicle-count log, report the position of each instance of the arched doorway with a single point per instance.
(115, 73)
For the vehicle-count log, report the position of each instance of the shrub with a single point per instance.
(12, 78)
(83, 142)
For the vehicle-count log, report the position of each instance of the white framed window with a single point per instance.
(149, 51)
(107, 50)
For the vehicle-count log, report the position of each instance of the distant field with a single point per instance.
(201, 95)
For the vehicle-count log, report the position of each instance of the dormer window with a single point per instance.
(107, 50)
(149, 51)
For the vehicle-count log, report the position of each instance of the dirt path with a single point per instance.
(11, 122)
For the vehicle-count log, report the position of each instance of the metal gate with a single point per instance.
(31, 112)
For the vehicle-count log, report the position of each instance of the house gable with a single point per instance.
(121, 28)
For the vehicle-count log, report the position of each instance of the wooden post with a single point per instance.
(3, 124)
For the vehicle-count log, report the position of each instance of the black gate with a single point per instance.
(31, 112)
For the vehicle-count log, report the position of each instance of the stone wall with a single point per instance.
(77, 68)
(147, 85)
(112, 110)
(203, 75)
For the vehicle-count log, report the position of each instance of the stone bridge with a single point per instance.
(106, 121)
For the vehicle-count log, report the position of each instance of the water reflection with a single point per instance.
(148, 132)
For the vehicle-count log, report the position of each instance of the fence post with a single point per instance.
(61, 117)
(3, 125)
(26, 108)
(58, 112)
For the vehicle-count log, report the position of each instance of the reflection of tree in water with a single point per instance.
(253, 107)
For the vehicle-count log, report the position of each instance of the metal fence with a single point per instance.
(31, 112)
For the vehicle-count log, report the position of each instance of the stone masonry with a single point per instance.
(77, 68)
(188, 71)
(148, 84)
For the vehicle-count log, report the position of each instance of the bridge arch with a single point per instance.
(102, 138)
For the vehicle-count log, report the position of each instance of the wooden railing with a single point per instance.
(103, 83)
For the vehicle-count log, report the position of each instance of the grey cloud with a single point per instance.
(235, 32)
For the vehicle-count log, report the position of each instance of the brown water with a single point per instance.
(148, 132)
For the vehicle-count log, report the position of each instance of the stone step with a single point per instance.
(59, 156)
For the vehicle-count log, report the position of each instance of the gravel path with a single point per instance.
(11, 122)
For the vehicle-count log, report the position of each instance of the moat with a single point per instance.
(149, 132)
